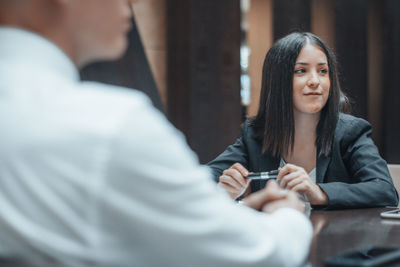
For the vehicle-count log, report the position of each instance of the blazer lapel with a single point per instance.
(322, 166)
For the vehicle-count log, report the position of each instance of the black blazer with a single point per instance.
(353, 175)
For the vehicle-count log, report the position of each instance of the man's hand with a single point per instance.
(272, 198)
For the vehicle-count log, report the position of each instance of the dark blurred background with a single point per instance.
(200, 61)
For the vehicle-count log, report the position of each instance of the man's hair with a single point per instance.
(274, 122)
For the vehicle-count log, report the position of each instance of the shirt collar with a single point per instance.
(30, 49)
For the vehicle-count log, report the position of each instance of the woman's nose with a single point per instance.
(313, 80)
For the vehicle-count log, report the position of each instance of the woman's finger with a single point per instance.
(291, 184)
(239, 167)
(289, 177)
(236, 175)
(229, 180)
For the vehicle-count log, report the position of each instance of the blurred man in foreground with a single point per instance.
(93, 175)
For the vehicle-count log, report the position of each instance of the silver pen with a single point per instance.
(263, 175)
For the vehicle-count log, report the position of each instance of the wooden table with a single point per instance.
(336, 232)
(343, 230)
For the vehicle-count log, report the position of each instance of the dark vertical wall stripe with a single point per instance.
(204, 72)
(291, 15)
(391, 80)
(178, 63)
(351, 50)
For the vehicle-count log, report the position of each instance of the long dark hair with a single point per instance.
(274, 122)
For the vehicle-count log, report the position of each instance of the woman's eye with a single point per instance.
(299, 71)
(324, 71)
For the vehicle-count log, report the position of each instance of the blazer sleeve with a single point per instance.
(370, 182)
(236, 152)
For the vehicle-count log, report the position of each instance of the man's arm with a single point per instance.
(161, 204)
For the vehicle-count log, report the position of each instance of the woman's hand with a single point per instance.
(296, 179)
(233, 180)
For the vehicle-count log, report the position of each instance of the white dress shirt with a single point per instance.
(92, 174)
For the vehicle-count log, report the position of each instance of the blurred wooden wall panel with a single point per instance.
(204, 72)
(391, 80)
(259, 38)
(323, 20)
(291, 15)
(375, 58)
(351, 51)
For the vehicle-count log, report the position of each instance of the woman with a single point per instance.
(326, 155)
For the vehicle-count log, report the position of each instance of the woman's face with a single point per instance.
(311, 82)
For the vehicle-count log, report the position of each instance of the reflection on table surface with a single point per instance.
(338, 231)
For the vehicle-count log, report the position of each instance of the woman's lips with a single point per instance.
(313, 93)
